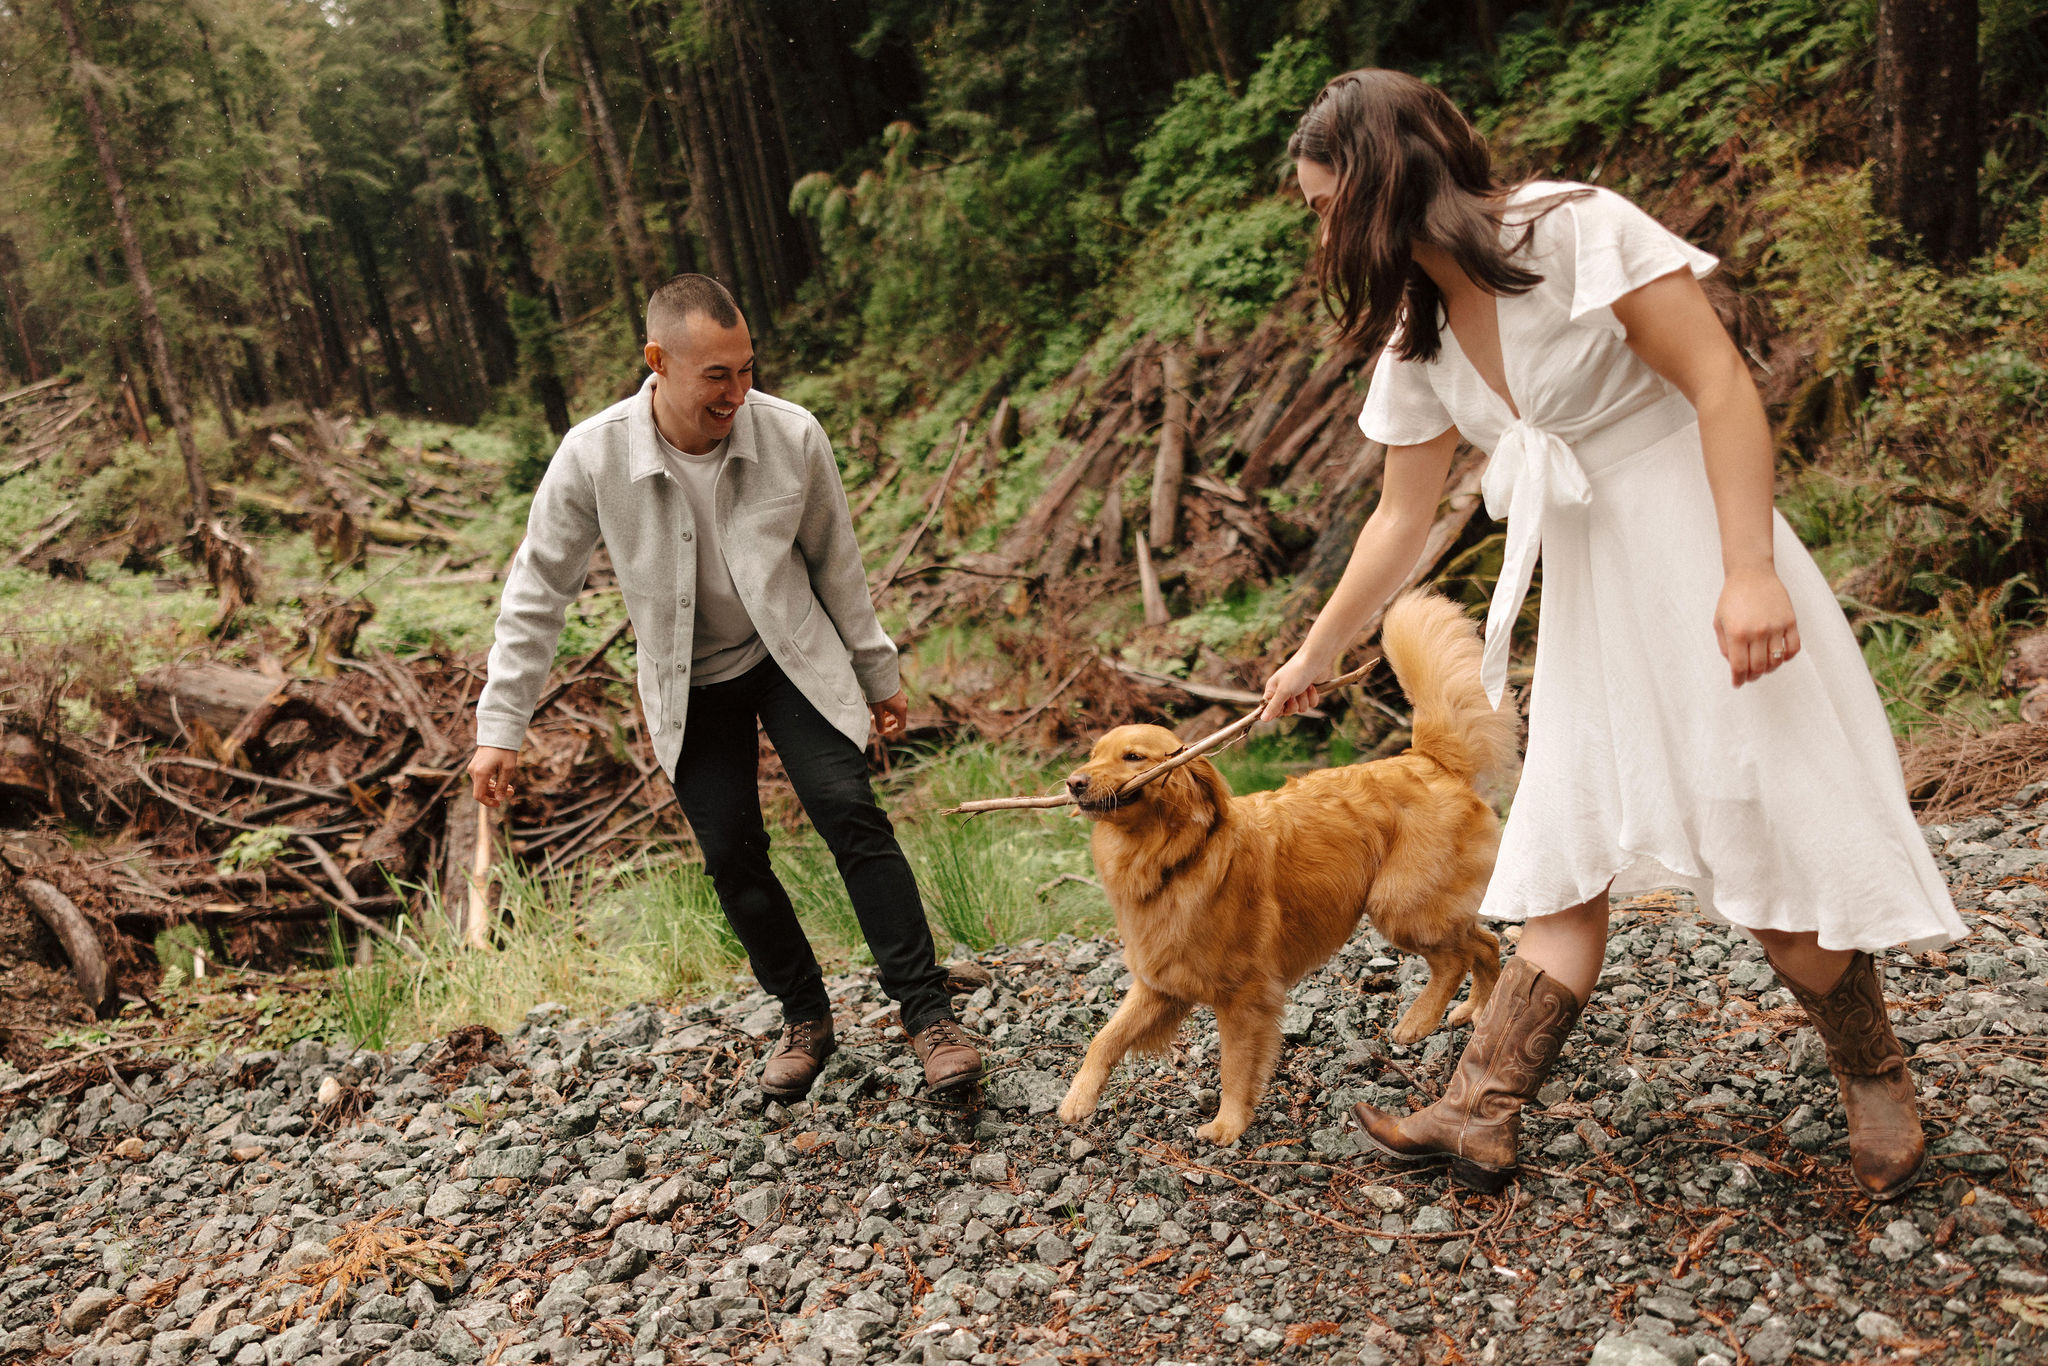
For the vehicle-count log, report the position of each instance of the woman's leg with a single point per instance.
(1801, 958)
(1476, 1127)
(1843, 994)
(1569, 945)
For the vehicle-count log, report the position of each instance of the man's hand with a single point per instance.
(892, 715)
(491, 773)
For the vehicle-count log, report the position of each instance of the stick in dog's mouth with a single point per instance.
(1186, 754)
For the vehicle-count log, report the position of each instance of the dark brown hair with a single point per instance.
(687, 294)
(1409, 168)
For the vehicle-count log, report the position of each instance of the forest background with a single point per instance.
(297, 298)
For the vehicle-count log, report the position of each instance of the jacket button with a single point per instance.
(682, 602)
(689, 536)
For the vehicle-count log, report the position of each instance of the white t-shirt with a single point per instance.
(723, 641)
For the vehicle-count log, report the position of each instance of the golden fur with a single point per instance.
(1228, 901)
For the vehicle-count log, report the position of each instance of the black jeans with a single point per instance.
(717, 782)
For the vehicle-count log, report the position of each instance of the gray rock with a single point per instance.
(847, 1330)
(521, 1163)
(1052, 1249)
(991, 1169)
(1774, 1340)
(1876, 1327)
(447, 1200)
(1642, 1349)
(761, 1205)
(1027, 1089)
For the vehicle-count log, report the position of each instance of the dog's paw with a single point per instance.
(1462, 1014)
(1220, 1131)
(1076, 1107)
(1412, 1029)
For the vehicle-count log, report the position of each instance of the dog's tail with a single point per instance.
(1434, 648)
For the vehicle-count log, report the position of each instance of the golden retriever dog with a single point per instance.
(1229, 901)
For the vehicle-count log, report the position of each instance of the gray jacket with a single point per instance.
(787, 536)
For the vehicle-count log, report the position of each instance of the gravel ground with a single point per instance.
(606, 1191)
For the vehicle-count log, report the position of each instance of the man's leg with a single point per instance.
(717, 782)
(830, 774)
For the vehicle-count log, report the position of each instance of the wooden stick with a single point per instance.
(1186, 755)
(931, 511)
(348, 912)
(476, 928)
(1148, 580)
(1050, 697)
(332, 869)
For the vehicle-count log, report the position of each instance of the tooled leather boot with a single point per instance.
(793, 1067)
(1886, 1146)
(1477, 1124)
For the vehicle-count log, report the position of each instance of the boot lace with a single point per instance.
(943, 1033)
(805, 1036)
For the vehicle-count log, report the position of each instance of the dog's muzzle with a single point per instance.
(1078, 788)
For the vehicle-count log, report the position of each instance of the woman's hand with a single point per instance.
(1292, 689)
(1755, 625)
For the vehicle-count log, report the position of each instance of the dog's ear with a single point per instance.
(1199, 790)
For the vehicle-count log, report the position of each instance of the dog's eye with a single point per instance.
(1134, 758)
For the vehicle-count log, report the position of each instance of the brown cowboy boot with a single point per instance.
(792, 1068)
(1477, 1123)
(949, 1060)
(1886, 1147)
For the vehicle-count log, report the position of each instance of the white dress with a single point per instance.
(1780, 805)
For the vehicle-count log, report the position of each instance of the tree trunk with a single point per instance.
(1220, 37)
(709, 195)
(138, 270)
(607, 192)
(1926, 136)
(348, 211)
(706, 97)
(771, 158)
(537, 353)
(662, 125)
(632, 220)
(17, 310)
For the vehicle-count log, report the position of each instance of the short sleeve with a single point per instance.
(1619, 248)
(1401, 407)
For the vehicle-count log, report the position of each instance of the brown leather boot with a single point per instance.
(1476, 1125)
(949, 1060)
(792, 1068)
(1886, 1147)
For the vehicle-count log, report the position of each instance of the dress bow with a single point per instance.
(1531, 470)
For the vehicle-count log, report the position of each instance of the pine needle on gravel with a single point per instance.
(372, 1249)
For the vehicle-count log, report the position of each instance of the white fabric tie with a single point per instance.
(1531, 470)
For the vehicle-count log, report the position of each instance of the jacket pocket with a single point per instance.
(649, 680)
(817, 640)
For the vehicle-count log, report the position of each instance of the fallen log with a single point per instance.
(169, 697)
(382, 530)
(1171, 462)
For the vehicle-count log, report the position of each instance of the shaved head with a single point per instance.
(672, 304)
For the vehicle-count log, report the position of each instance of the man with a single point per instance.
(729, 531)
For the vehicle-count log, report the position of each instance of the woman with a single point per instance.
(1701, 715)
